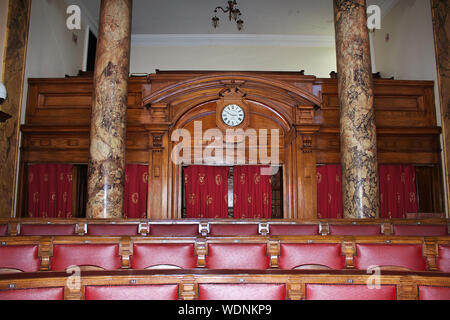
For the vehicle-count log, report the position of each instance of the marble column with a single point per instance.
(357, 117)
(106, 173)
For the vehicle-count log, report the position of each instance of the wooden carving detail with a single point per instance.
(274, 251)
(45, 251)
(232, 94)
(304, 114)
(159, 112)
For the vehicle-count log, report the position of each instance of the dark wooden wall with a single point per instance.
(305, 110)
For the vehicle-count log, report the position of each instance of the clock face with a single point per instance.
(233, 115)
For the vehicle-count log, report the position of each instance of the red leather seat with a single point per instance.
(295, 255)
(237, 256)
(3, 230)
(349, 292)
(293, 230)
(144, 292)
(105, 256)
(404, 255)
(47, 229)
(23, 258)
(420, 230)
(112, 229)
(355, 230)
(443, 260)
(434, 293)
(173, 230)
(241, 291)
(149, 255)
(233, 230)
(33, 294)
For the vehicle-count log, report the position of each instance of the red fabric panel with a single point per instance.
(233, 230)
(352, 230)
(420, 230)
(349, 292)
(40, 294)
(105, 256)
(3, 230)
(24, 258)
(329, 192)
(149, 292)
(397, 191)
(252, 193)
(167, 230)
(237, 256)
(434, 293)
(407, 256)
(113, 230)
(294, 255)
(293, 230)
(206, 192)
(135, 192)
(50, 191)
(47, 230)
(148, 255)
(443, 260)
(242, 292)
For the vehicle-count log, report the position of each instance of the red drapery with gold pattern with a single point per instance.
(206, 192)
(252, 193)
(50, 191)
(398, 194)
(135, 193)
(329, 192)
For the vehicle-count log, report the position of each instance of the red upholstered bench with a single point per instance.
(33, 294)
(242, 291)
(20, 258)
(407, 256)
(163, 255)
(443, 260)
(293, 230)
(144, 292)
(113, 229)
(434, 293)
(105, 256)
(3, 230)
(233, 230)
(420, 230)
(349, 292)
(355, 230)
(173, 230)
(237, 256)
(311, 256)
(47, 229)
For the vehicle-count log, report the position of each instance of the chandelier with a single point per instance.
(233, 14)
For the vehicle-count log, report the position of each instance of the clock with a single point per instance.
(233, 115)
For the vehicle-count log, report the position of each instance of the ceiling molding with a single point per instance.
(249, 40)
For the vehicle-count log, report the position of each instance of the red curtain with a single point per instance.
(206, 192)
(252, 193)
(398, 194)
(135, 193)
(50, 191)
(329, 192)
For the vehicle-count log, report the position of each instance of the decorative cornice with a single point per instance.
(248, 40)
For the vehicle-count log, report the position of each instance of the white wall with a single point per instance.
(3, 18)
(315, 61)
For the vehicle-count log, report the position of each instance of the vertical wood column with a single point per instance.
(106, 173)
(357, 119)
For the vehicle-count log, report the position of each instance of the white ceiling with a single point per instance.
(269, 17)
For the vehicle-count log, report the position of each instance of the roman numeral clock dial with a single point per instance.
(233, 115)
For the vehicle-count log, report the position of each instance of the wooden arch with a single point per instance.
(273, 103)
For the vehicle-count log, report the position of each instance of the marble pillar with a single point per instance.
(441, 23)
(360, 187)
(14, 58)
(106, 173)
